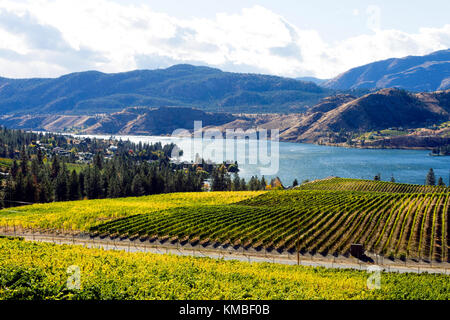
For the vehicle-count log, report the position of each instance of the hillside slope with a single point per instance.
(181, 85)
(415, 73)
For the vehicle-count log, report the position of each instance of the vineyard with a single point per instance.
(81, 215)
(345, 184)
(324, 217)
(39, 271)
(327, 222)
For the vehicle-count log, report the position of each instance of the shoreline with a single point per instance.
(338, 145)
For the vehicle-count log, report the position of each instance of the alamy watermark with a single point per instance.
(74, 279)
(374, 280)
(256, 147)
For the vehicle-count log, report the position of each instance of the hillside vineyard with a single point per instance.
(394, 220)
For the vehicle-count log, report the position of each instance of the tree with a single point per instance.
(137, 187)
(295, 183)
(263, 183)
(236, 185)
(61, 187)
(392, 179)
(55, 167)
(441, 182)
(98, 161)
(74, 186)
(377, 177)
(431, 178)
(243, 185)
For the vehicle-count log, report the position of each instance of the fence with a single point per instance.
(68, 237)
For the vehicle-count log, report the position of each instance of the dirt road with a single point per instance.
(233, 254)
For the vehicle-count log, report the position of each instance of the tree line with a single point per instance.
(34, 180)
(430, 179)
(221, 180)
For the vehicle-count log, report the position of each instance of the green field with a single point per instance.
(39, 271)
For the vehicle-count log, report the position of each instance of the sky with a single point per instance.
(292, 38)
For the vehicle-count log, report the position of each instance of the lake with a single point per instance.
(308, 161)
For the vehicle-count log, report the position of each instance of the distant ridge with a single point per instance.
(414, 73)
(180, 85)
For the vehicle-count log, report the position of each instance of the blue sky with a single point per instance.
(335, 20)
(48, 38)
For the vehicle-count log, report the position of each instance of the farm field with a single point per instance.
(346, 184)
(323, 217)
(81, 215)
(39, 271)
(326, 222)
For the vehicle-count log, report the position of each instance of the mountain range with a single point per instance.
(414, 73)
(159, 101)
(378, 110)
(181, 85)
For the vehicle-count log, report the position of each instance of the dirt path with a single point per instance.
(234, 254)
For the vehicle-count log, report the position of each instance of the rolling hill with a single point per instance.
(414, 73)
(181, 85)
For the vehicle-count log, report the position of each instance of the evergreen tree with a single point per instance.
(263, 183)
(392, 179)
(295, 183)
(24, 161)
(431, 178)
(377, 177)
(74, 186)
(236, 186)
(61, 187)
(14, 169)
(81, 184)
(55, 167)
(29, 190)
(243, 186)
(98, 160)
(441, 182)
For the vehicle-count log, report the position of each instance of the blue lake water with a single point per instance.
(308, 161)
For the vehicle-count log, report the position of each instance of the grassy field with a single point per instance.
(6, 163)
(39, 271)
(82, 215)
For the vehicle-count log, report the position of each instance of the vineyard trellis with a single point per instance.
(316, 221)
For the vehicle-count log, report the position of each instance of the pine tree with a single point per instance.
(243, 186)
(24, 161)
(137, 188)
(74, 186)
(81, 184)
(392, 179)
(295, 183)
(236, 186)
(61, 187)
(431, 178)
(55, 167)
(263, 183)
(441, 182)
(14, 169)
(377, 177)
(98, 161)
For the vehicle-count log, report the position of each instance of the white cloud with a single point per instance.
(50, 38)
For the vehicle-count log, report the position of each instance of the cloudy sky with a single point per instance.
(322, 38)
